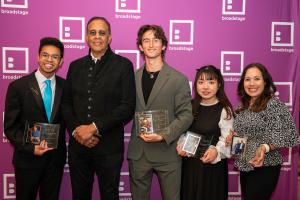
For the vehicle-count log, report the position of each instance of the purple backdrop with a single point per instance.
(226, 33)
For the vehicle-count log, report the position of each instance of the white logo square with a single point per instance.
(124, 187)
(285, 92)
(234, 7)
(72, 29)
(9, 186)
(132, 55)
(282, 34)
(14, 3)
(15, 60)
(232, 63)
(181, 32)
(128, 6)
(287, 156)
(234, 186)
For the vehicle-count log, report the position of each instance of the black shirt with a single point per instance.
(148, 80)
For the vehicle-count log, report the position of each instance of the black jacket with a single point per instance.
(103, 93)
(24, 103)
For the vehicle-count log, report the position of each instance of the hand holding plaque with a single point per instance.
(35, 133)
(194, 144)
(155, 121)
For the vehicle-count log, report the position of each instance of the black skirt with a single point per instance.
(204, 181)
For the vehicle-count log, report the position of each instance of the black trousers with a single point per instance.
(45, 179)
(260, 183)
(84, 165)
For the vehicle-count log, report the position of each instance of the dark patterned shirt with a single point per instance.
(274, 125)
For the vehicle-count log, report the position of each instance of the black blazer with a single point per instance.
(24, 103)
(103, 93)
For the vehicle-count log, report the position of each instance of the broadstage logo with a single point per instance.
(9, 186)
(124, 186)
(235, 186)
(282, 37)
(72, 32)
(285, 92)
(132, 55)
(232, 63)
(233, 10)
(181, 35)
(14, 7)
(128, 9)
(15, 60)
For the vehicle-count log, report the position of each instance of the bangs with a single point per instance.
(208, 75)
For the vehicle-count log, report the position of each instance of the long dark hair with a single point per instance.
(268, 92)
(212, 73)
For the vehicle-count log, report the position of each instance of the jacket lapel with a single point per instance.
(34, 88)
(139, 90)
(57, 98)
(162, 78)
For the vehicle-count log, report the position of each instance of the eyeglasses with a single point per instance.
(46, 56)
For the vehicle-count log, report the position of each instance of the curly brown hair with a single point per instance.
(158, 32)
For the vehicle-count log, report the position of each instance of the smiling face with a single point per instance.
(151, 45)
(49, 60)
(98, 37)
(254, 83)
(207, 88)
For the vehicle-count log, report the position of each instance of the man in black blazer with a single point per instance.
(99, 99)
(38, 168)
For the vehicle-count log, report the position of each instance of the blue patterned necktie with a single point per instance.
(48, 98)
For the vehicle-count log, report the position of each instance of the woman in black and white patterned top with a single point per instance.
(268, 126)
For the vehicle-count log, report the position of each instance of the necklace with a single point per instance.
(152, 74)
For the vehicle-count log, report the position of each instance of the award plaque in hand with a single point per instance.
(153, 121)
(37, 132)
(195, 144)
(238, 145)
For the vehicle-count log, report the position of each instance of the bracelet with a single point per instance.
(267, 147)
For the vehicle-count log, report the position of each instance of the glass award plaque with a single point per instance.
(195, 144)
(238, 145)
(37, 132)
(154, 121)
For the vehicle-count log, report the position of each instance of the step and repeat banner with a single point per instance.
(226, 33)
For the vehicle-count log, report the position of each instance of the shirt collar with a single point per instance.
(94, 58)
(41, 78)
(210, 104)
